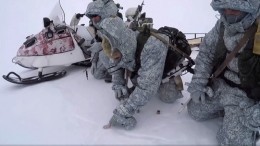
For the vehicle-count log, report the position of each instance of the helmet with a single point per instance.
(250, 10)
(95, 8)
(249, 6)
(141, 19)
(102, 8)
(130, 13)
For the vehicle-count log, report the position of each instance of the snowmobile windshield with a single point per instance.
(57, 14)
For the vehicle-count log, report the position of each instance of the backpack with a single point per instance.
(176, 38)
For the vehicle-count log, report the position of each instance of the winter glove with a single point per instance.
(251, 117)
(198, 96)
(118, 120)
(121, 92)
(123, 116)
(78, 16)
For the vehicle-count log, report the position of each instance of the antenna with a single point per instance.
(63, 12)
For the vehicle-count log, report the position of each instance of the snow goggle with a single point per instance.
(92, 15)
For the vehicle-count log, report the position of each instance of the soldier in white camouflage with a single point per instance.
(146, 74)
(100, 62)
(236, 91)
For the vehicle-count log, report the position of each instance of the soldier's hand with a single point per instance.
(121, 92)
(122, 121)
(78, 15)
(198, 96)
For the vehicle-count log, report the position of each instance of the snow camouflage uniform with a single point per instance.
(148, 79)
(235, 96)
(100, 62)
(98, 69)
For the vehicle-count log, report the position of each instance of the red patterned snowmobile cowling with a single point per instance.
(47, 42)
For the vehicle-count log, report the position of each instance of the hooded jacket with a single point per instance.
(232, 34)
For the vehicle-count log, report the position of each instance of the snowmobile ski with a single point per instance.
(86, 63)
(16, 79)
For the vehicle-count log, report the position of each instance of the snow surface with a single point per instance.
(72, 110)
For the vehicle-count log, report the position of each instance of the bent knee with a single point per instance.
(199, 113)
(167, 99)
(196, 116)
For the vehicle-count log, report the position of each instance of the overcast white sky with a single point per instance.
(16, 15)
(187, 15)
(21, 18)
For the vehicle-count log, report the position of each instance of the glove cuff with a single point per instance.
(125, 109)
(118, 87)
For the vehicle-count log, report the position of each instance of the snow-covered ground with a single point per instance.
(72, 110)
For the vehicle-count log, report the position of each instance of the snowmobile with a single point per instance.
(58, 44)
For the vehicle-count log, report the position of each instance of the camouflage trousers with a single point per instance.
(226, 103)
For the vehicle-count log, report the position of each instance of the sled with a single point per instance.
(195, 42)
(196, 39)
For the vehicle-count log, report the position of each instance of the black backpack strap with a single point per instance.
(249, 33)
(142, 38)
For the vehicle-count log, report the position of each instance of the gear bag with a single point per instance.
(176, 38)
